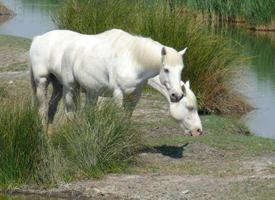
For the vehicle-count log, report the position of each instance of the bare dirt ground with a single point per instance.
(158, 186)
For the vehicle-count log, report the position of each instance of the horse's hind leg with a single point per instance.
(41, 94)
(53, 103)
(118, 97)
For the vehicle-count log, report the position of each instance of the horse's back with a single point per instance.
(47, 50)
(112, 54)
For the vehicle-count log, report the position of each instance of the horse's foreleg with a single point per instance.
(91, 99)
(41, 93)
(71, 100)
(130, 101)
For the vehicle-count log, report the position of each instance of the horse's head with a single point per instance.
(170, 73)
(186, 112)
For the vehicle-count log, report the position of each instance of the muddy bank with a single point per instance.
(270, 27)
(4, 10)
(265, 28)
(5, 14)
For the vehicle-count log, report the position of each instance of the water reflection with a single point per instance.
(259, 79)
(33, 17)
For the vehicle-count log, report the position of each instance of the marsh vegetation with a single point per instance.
(210, 59)
(255, 12)
(98, 141)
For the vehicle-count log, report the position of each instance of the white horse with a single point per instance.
(113, 61)
(185, 111)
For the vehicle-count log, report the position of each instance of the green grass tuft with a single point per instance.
(23, 146)
(96, 142)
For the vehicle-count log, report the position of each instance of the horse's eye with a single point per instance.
(166, 70)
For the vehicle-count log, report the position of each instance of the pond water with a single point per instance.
(258, 80)
(33, 17)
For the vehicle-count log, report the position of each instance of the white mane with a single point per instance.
(145, 51)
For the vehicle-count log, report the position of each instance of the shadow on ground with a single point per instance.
(175, 152)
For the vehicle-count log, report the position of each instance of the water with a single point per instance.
(257, 82)
(33, 17)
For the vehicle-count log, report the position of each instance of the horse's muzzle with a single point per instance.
(175, 98)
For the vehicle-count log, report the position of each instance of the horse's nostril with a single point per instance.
(173, 95)
(200, 131)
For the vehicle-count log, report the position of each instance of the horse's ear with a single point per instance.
(183, 88)
(163, 55)
(187, 84)
(182, 52)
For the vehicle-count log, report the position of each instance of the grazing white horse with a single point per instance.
(185, 111)
(113, 61)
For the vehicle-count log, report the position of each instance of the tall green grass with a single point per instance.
(98, 140)
(255, 12)
(25, 154)
(94, 143)
(209, 59)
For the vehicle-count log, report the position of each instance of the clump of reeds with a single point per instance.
(253, 11)
(97, 141)
(24, 148)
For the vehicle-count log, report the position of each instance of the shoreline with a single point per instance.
(5, 14)
(4, 10)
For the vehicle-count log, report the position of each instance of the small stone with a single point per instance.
(10, 82)
(185, 192)
(95, 190)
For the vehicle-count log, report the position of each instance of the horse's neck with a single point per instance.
(155, 83)
(148, 54)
